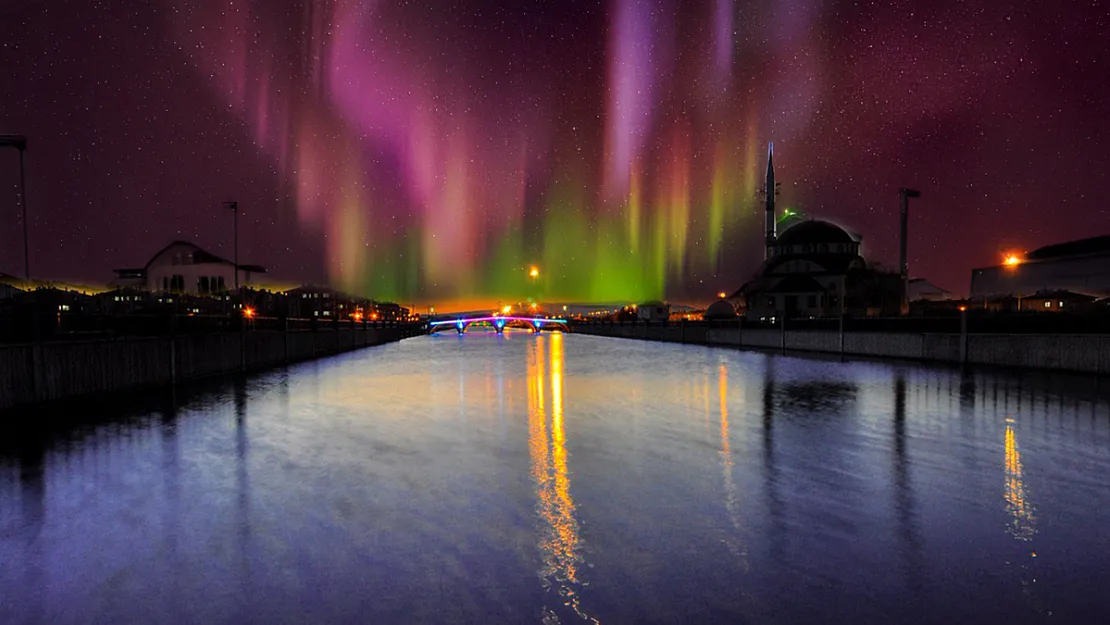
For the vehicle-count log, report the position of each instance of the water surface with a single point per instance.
(565, 478)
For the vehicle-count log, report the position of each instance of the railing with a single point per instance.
(978, 322)
(16, 328)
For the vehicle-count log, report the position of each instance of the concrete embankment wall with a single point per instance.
(1088, 353)
(51, 371)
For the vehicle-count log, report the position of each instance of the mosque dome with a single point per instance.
(720, 309)
(814, 232)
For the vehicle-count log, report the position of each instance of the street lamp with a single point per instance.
(19, 142)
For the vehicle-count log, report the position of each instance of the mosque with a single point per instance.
(814, 268)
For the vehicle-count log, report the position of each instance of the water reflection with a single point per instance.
(903, 486)
(1023, 518)
(559, 543)
(770, 469)
(863, 493)
(242, 480)
(731, 500)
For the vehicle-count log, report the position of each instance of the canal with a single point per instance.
(564, 478)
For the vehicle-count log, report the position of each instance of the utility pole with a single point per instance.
(234, 206)
(905, 194)
(19, 142)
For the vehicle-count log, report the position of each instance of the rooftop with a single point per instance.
(1082, 247)
(814, 231)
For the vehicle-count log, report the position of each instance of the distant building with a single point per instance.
(719, 310)
(182, 267)
(1055, 301)
(53, 300)
(921, 289)
(1081, 266)
(321, 301)
(8, 286)
(653, 311)
(122, 300)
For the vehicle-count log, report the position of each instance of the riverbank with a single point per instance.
(1086, 353)
(35, 373)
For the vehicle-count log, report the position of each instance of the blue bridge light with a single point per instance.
(498, 322)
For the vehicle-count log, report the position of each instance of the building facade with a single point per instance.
(1081, 266)
(805, 274)
(182, 267)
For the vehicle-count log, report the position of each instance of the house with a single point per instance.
(183, 267)
(1055, 301)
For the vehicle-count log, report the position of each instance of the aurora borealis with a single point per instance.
(426, 151)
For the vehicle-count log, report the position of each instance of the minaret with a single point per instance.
(770, 191)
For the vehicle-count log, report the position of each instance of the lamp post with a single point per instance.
(19, 142)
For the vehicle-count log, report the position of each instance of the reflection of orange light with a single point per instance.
(1012, 260)
(248, 313)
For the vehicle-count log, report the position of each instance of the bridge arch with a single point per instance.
(499, 323)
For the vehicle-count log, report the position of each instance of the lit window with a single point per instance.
(1061, 304)
(1048, 304)
(117, 298)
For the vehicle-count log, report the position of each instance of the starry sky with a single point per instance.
(436, 150)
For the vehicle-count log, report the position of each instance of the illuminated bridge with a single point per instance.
(499, 323)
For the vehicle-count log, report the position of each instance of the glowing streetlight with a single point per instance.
(1012, 260)
(248, 312)
(721, 295)
(506, 310)
(534, 272)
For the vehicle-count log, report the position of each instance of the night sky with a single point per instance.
(426, 151)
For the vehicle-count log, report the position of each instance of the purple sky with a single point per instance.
(403, 148)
